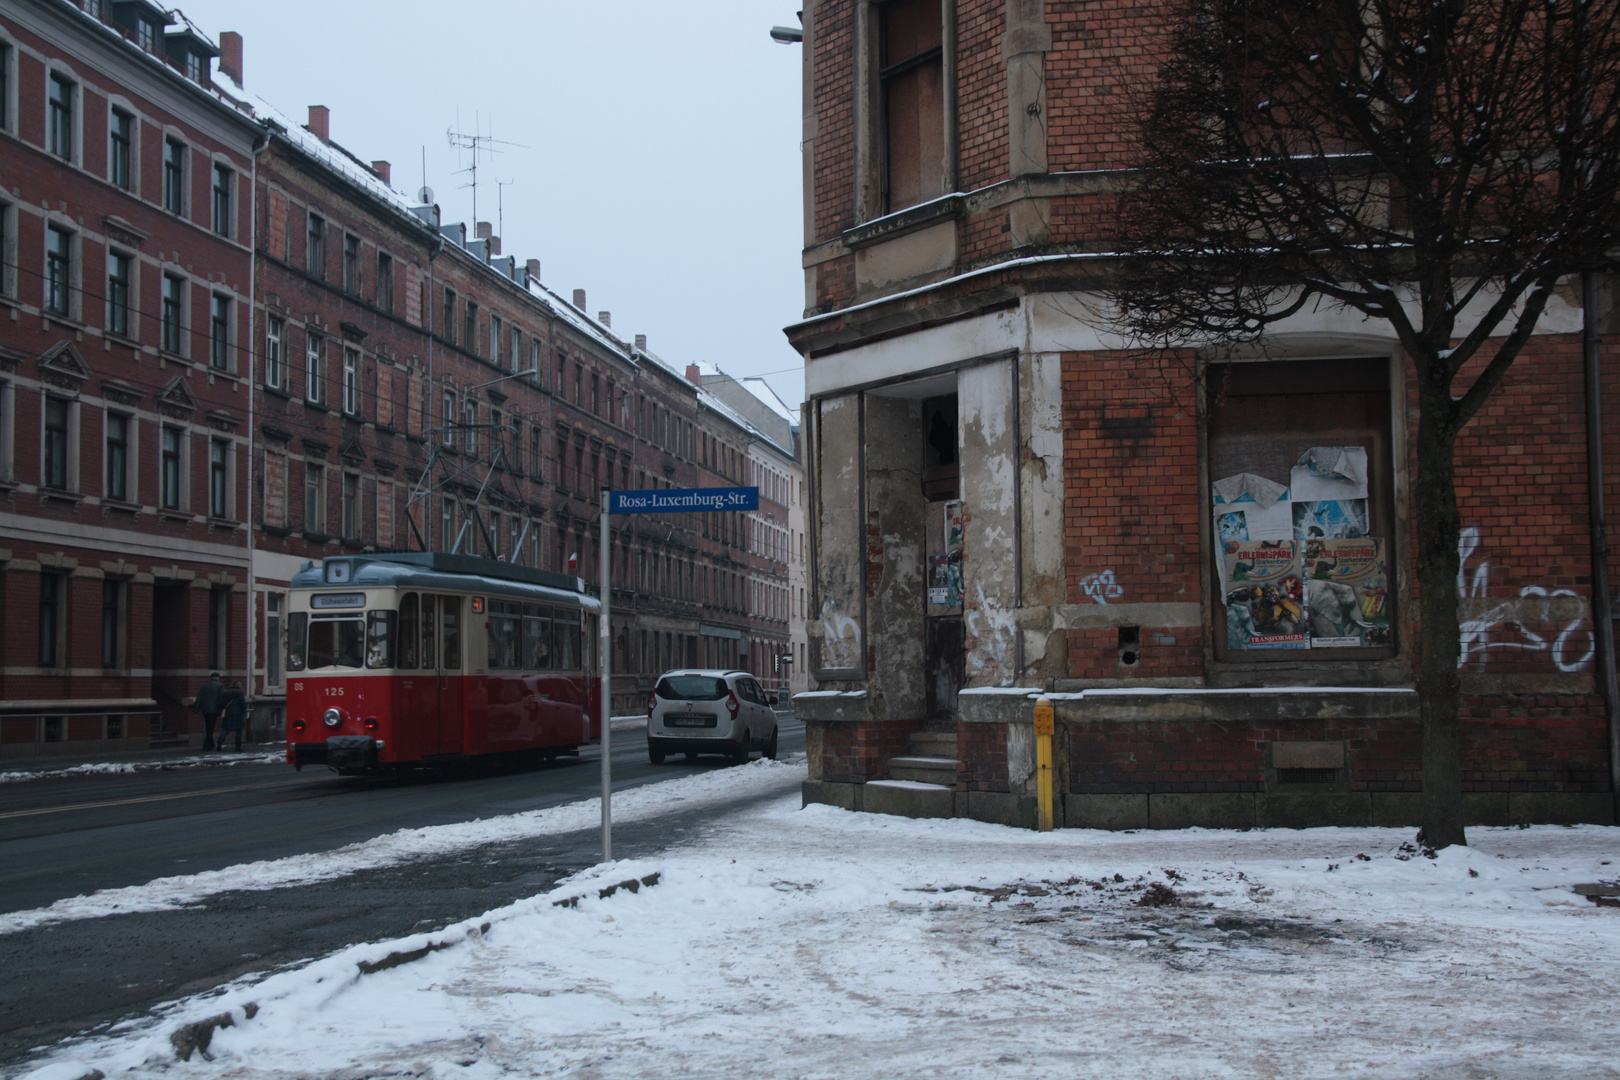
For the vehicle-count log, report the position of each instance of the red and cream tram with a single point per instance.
(414, 659)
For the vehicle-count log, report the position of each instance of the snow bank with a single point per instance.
(169, 893)
(193, 762)
(820, 943)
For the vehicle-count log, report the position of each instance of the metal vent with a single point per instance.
(1307, 776)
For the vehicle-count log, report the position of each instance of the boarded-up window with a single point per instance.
(912, 79)
(414, 287)
(413, 404)
(385, 394)
(275, 490)
(1303, 510)
(385, 514)
(276, 214)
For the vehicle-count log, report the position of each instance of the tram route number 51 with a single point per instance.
(655, 501)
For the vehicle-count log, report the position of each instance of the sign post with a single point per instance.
(650, 501)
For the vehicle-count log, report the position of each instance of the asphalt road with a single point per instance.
(73, 835)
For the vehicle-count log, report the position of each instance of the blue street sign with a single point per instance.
(683, 500)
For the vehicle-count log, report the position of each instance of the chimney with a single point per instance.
(485, 230)
(384, 171)
(605, 318)
(693, 375)
(579, 299)
(641, 342)
(494, 246)
(533, 267)
(320, 122)
(230, 55)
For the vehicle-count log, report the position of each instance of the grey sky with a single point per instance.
(659, 169)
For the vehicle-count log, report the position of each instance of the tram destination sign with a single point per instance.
(683, 500)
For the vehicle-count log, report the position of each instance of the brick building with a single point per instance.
(231, 346)
(124, 387)
(1006, 501)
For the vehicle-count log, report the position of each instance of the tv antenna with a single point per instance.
(479, 143)
(500, 204)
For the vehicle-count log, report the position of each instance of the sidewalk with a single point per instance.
(136, 761)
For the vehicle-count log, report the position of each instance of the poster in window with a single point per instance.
(1250, 507)
(1330, 519)
(945, 569)
(1265, 595)
(1347, 592)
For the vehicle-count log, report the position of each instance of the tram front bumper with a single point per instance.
(351, 752)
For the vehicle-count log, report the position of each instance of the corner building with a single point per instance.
(1007, 502)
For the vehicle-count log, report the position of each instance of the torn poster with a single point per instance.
(1347, 587)
(1250, 507)
(1329, 472)
(1265, 595)
(1329, 519)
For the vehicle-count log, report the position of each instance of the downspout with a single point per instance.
(252, 381)
(430, 392)
(1602, 606)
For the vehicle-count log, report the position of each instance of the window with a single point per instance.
(385, 282)
(146, 34)
(169, 472)
(54, 467)
(219, 334)
(351, 506)
(219, 488)
(449, 522)
(5, 86)
(469, 338)
(121, 139)
(497, 438)
(469, 420)
(351, 381)
(313, 362)
(52, 600)
(495, 338)
(1321, 433)
(351, 264)
(274, 333)
(224, 182)
(315, 246)
(58, 270)
(59, 119)
(118, 293)
(517, 349)
(535, 466)
(112, 622)
(314, 498)
(448, 324)
(272, 639)
(174, 176)
(562, 373)
(596, 394)
(911, 83)
(173, 293)
(7, 258)
(117, 486)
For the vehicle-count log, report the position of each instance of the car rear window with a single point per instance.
(691, 688)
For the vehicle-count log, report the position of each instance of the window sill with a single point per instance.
(355, 545)
(315, 406)
(223, 373)
(316, 538)
(120, 505)
(276, 391)
(174, 515)
(173, 358)
(275, 530)
(353, 418)
(909, 220)
(223, 523)
(121, 339)
(59, 495)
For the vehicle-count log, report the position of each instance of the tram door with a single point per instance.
(452, 688)
(433, 693)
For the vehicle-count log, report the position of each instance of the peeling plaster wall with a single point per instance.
(1040, 399)
(990, 500)
(895, 557)
(840, 563)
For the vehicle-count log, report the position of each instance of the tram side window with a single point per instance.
(380, 638)
(504, 619)
(297, 638)
(565, 647)
(336, 642)
(452, 633)
(536, 637)
(592, 629)
(430, 635)
(410, 632)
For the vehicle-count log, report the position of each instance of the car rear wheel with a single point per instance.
(691, 756)
(770, 747)
(740, 755)
(655, 756)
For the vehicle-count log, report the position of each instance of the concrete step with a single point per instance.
(934, 744)
(928, 770)
(907, 798)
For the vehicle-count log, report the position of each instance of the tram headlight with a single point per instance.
(332, 718)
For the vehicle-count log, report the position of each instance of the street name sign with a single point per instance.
(682, 500)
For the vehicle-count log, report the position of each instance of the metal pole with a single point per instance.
(1602, 603)
(605, 654)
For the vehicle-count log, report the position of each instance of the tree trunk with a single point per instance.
(1438, 527)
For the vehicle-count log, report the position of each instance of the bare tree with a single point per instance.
(1441, 165)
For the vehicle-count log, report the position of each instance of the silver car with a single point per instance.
(709, 711)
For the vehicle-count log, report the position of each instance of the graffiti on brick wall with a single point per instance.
(1102, 587)
(841, 637)
(1487, 622)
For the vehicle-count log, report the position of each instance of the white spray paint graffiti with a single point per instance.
(1535, 604)
(841, 636)
(992, 640)
(1102, 587)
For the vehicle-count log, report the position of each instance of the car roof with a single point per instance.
(716, 673)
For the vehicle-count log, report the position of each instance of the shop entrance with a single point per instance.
(943, 539)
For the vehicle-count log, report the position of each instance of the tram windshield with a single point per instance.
(325, 641)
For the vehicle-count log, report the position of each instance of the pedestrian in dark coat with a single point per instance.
(210, 701)
(235, 715)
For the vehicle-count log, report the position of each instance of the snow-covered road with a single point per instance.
(820, 943)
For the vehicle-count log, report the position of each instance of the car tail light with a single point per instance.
(298, 725)
(731, 704)
(652, 703)
(371, 723)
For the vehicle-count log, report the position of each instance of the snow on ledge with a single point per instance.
(830, 694)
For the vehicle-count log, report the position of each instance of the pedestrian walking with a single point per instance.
(210, 700)
(234, 716)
